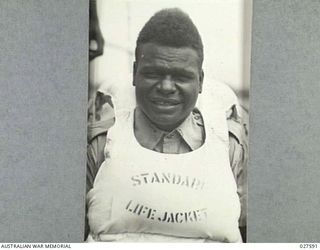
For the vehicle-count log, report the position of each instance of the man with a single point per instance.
(172, 171)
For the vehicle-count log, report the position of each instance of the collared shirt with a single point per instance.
(187, 137)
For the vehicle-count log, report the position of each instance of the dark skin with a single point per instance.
(167, 81)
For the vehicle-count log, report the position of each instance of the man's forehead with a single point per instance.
(151, 52)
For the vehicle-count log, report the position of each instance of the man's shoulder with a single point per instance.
(237, 126)
(220, 94)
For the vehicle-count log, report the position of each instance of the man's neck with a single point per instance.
(164, 128)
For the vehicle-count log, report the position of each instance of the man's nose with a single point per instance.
(167, 85)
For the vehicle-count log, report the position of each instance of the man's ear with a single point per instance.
(134, 73)
(201, 81)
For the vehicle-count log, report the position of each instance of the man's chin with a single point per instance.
(166, 122)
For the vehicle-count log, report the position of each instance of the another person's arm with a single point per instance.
(96, 41)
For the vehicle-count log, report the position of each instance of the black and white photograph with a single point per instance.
(168, 109)
(127, 121)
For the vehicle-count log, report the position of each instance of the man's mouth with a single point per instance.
(165, 101)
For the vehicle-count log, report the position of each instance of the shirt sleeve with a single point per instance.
(95, 157)
(238, 154)
(100, 118)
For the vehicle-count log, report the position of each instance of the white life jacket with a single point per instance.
(143, 195)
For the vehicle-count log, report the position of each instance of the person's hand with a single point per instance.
(96, 41)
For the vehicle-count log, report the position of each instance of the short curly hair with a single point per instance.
(171, 27)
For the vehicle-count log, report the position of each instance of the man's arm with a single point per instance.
(100, 119)
(238, 160)
(95, 157)
(238, 154)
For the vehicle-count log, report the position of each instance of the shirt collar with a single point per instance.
(191, 130)
(149, 135)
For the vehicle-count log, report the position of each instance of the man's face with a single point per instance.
(168, 81)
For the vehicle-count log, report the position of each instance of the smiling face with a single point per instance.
(168, 81)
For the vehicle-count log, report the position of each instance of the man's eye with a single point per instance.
(151, 75)
(183, 78)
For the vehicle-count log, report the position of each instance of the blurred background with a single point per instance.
(224, 25)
